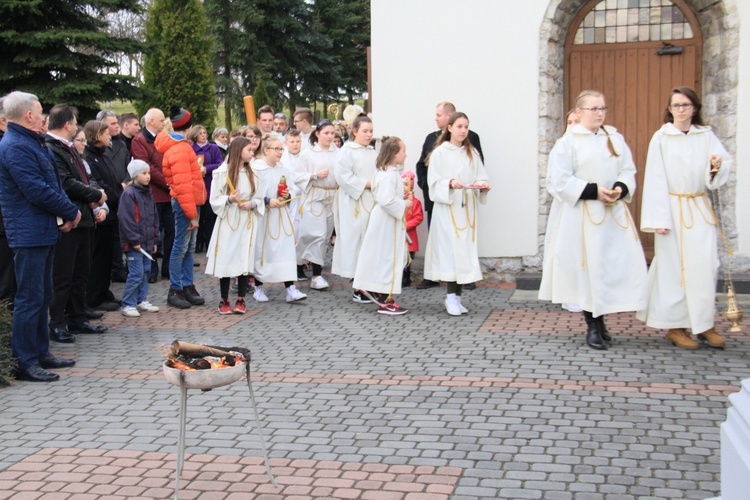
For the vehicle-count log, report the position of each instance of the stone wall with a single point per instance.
(720, 27)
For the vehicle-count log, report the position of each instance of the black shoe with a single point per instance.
(107, 306)
(91, 314)
(176, 298)
(603, 329)
(427, 284)
(36, 373)
(153, 278)
(359, 297)
(86, 327)
(62, 335)
(594, 337)
(51, 361)
(196, 264)
(470, 286)
(301, 276)
(192, 296)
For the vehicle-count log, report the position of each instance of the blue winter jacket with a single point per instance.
(139, 222)
(31, 195)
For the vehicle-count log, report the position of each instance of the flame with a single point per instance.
(179, 365)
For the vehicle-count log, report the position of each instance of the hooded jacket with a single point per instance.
(139, 222)
(180, 166)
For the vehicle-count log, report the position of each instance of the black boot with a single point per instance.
(593, 333)
(603, 329)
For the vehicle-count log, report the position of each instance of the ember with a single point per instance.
(185, 356)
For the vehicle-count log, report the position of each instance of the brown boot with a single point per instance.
(680, 338)
(712, 338)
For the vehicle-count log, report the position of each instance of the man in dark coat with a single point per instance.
(35, 210)
(73, 252)
(443, 113)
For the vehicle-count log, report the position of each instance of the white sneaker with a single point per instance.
(130, 312)
(260, 294)
(451, 305)
(294, 295)
(147, 306)
(461, 306)
(318, 283)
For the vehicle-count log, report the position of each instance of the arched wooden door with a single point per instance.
(635, 52)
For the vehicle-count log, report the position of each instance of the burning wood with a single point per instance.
(186, 356)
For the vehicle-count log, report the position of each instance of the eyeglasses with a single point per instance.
(253, 137)
(82, 141)
(276, 149)
(681, 106)
(597, 110)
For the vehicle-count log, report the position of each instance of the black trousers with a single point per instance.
(206, 224)
(97, 291)
(7, 272)
(70, 275)
(166, 224)
(118, 265)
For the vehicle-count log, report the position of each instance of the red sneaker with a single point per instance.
(224, 307)
(390, 308)
(239, 306)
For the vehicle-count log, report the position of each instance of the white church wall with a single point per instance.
(743, 132)
(482, 55)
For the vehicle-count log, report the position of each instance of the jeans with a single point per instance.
(166, 223)
(136, 286)
(181, 260)
(34, 278)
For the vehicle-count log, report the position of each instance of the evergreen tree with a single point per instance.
(347, 26)
(59, 51)
(177, 69)
(260, 95)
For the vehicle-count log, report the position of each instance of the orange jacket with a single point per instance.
(180, 166)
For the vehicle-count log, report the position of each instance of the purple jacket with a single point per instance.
(139, 223)
(212, 158)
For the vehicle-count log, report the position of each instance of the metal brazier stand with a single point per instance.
(206, 380)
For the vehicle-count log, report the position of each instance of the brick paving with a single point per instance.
(503, 403)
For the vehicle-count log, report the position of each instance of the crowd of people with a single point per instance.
(83, 206)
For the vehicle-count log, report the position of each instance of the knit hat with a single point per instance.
(180, 117)
(135, 167)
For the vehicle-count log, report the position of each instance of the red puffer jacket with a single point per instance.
(180, 165)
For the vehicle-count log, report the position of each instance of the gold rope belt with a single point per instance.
(471, 218)
(328, 200)
(688, 197)
(585, 214)
(282, 227)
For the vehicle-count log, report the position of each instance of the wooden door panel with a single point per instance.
(636, 83)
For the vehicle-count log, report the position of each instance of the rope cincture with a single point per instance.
(683, 224)
(327, 201)
(586, 214)
(281, 228)
(471, 219)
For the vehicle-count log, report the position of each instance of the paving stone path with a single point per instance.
(503, 403)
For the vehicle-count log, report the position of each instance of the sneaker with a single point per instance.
(224, 307)
(358, 296)
(176, 298)
(301, 276)
(147, 306)
(461, 306)
(192, 295)
(451, 305)
(130, 312)
(373, 297)
(260, 294)
(294, 295)
(239, 306)
(391, 309)
(318, 283)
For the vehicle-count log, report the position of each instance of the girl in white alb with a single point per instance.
(384, 250)
(685, 161)
(238, 204)
(592, 254)
(314, 176)
(458, 183)
(354, 170)
(275, 255)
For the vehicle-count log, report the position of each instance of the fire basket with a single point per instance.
(192, 366)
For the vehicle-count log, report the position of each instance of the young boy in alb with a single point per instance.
(139, 233)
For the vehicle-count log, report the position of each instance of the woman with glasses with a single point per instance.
(592, 253)
(314, 176)
(685, 160)
(254, 134)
